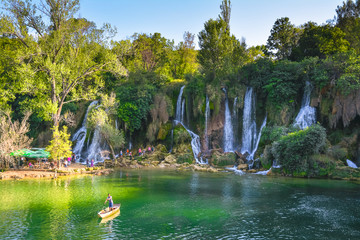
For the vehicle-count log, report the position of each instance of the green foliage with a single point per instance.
(185, 158)
(293, 150)
(284, 83)
(181, 135)
(60, 145)
(135, 103)
(221, 160)
(283, 38)
(63, 63)
(321, 165)
(320, 41)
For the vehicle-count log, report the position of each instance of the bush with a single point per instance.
(292, 150)
(221, 160)
(183, 158)
(321, 165)
(181, 135)
(338, 153)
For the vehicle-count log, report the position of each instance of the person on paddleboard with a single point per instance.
(109, 198)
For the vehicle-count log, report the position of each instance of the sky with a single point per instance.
(250, 19)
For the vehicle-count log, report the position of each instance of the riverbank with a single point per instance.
(74, 169)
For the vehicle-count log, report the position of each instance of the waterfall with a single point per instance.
(258, 139)
(207, 116)
(80, 136)
(307, 114)
(228, 127)
(250, 137)
(182, 110)
(249, 122)
(179, 105)
(351, 164)
(195, 139)
(235, 122)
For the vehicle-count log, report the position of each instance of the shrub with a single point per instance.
(292, 150)
(321, 165)
(338, 153)
(226, 159)
(183, 158)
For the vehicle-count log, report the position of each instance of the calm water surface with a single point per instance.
(185, 205)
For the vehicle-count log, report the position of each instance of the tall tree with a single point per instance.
(61, 56)
(225, 13)
(320, 41)
(348, 20)
(283, 38)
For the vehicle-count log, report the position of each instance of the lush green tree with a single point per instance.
(62, 63)
(348, 20)
(60, 145)
(182, 60)
(226, 13)
(283, 38)
(219, 54)
(320, 41)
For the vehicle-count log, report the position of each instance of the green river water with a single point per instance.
(180, 205)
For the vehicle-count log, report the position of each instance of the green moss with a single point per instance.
(185, 158)
(221, 160)
(164, 131)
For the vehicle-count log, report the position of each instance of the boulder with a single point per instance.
(170, 159)
(243, 166)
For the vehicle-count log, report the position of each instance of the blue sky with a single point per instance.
(251, 19)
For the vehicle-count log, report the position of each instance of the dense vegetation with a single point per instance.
(52, 62)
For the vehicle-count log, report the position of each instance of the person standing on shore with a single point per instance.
(92, 162)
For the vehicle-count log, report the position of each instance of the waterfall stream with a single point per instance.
(307, 114)
(250, 136)
(195, 139)
(94, 146)
(351, 164)
(228, 127)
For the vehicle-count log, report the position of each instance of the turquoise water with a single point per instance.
(185, 205)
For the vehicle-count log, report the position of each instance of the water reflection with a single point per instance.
(169, 205)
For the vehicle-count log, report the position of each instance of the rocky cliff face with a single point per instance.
(338, 108)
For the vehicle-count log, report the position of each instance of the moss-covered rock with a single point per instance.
(223, 159)
(344, 172)
(185, 158)
(164, 131)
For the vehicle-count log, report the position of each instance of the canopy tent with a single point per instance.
(34, 153)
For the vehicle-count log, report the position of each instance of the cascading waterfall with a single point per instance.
(182, 110)
(249, 122)
(251, 156)
(195, 139)
(235, 122)
(250, 137)
(179, 105)
(307, 114)
(207, 116)
(80, 137)
(228, 127)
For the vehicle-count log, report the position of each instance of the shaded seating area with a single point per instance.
(35, 158)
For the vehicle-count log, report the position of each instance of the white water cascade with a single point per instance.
(80, 137)
(195, 139)
(207, 116)
(228, 127)
(94, 146)
(307, 114)
(250, 137)
(235, 121)
(351, 164)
